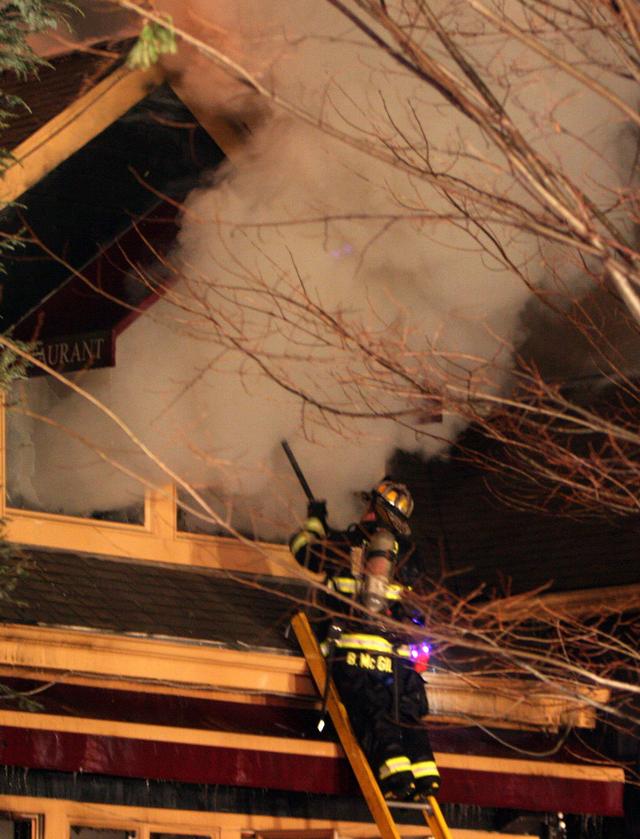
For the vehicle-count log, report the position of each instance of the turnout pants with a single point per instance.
(385, 700)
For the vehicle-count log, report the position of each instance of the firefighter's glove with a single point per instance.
(317, 510)
(334, 632)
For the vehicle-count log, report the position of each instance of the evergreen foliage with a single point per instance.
(12, 366)
(154, 40)
(18, 20)
(12, 562)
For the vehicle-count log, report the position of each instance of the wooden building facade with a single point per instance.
(151, 689)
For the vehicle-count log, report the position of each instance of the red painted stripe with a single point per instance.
(273, 720)
(70, 752)
(162, 709)
(532, 792)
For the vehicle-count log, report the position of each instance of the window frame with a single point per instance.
(36, 820)
(156, 539)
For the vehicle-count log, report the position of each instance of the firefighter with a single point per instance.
(377, 672)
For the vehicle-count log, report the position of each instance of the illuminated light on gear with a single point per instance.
(420, 654)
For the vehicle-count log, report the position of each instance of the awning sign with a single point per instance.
(86, 351)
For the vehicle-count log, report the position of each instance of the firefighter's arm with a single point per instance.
(307, 544)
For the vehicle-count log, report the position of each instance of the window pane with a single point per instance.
(13, 827)
(266, 517)
(179, 836)
(100, 833)
(55, 466)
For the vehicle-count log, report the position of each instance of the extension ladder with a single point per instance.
(377, 804)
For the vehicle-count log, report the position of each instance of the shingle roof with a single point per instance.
(63, 589)
(464, 528)
(56, 87)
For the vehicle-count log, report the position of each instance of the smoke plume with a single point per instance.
(300, 224)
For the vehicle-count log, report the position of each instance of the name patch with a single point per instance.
(370, 661)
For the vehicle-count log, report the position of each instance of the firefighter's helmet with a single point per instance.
(393, 504)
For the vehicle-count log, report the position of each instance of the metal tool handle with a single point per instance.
(296, 468)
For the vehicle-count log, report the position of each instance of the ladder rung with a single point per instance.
(408, 805)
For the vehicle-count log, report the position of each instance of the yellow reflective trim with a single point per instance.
(345, 585)
(394, 591)
(423, 768)
(396, 761)
(301, 541)
(316, 527)
(403, 651)
(360, 641)
(341, 585)
(313, 530)
(393, 766)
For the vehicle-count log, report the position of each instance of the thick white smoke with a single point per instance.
(191, 380)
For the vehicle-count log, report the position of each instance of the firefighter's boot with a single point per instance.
(426, 780)
(396, 778)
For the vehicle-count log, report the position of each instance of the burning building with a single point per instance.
(152, 688)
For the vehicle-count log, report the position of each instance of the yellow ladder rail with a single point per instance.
(434, 818)
(359, 764)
